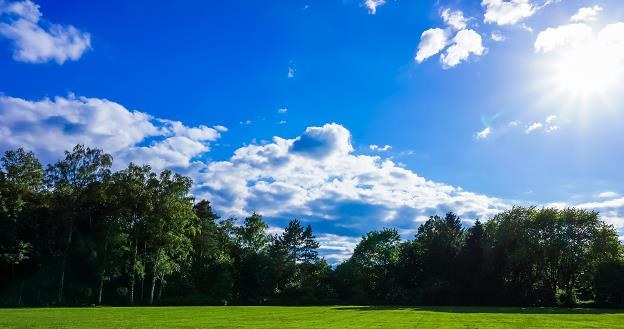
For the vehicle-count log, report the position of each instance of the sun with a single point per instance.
(587, 71)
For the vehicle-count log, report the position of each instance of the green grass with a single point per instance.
(310, 317)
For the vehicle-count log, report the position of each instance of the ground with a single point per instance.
(310, 317)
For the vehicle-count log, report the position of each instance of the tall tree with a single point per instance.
(71, 178)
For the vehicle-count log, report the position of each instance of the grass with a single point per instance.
(310, 317)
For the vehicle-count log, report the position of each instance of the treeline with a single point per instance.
(77, 233)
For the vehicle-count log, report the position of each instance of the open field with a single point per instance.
(310, 317)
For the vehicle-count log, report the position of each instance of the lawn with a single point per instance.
(310, 317)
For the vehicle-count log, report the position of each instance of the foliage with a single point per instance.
(79, 233)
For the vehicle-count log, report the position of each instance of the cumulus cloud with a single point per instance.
(336, 248)
(318, 177)
(507, 12)
(570, 34)
(37, 41)
(466, 42)
(432, 42)
(611, 210)
(373, 4)
(586, 14)
(483, 134)
(454, 18)
(51, 126)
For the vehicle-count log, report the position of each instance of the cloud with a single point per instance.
(483, 134)
(466, 42)
(551, 118)
(282, 110)
(432, 42)
(503, 12)
(373, 4)
(319, 178)
(51, 126)
(497, 36)
(384, 148)
(533, 127)
(454, 18)
(607, 195)
(586, 14)
(611, 210)
(336, 248)
(551, 129)
(291, 72)
(553, 38)
(37, 41)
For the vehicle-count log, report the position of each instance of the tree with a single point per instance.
(21, 182)
(133, 202)
(375, 257)
(71, 178)
(439, 242)
(172, 225)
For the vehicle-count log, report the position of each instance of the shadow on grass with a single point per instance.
(484, 309)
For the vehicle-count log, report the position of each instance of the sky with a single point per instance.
(349, 115)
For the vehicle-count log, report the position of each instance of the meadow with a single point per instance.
(310, 317)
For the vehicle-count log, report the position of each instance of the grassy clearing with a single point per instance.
(310, 317)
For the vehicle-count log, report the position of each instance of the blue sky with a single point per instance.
(383, 113)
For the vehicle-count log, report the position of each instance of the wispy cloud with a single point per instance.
(34, 42)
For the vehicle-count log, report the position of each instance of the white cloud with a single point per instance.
(553, 38)
(551, 118)
(318, 177)
(533, 127)
(432, 42)
(466, 42)
(483, 133)
(503, 12)
(220, 128)
(51, 126)
(282, 110)
(551, 129)
(291, 72)
(373, 4)
(497, 36)
(454, 18)
(586, 14)
(607, 195)
(35, 41)
(336, 248)
(513, 124)
(611, 211)
(384, 148)
(282, 122)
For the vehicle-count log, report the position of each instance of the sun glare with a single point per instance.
(586, 71)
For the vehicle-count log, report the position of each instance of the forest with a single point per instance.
(78, 233)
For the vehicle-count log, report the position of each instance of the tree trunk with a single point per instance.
(19, 298)
(160, 290)
(141, 297)
(151, 301)
(64, 262)
(100, 290)
(133, 270)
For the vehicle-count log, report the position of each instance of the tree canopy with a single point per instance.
(79, 233)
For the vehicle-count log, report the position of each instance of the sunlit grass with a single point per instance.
(310, 317)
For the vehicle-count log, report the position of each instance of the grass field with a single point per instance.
(310, 317)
